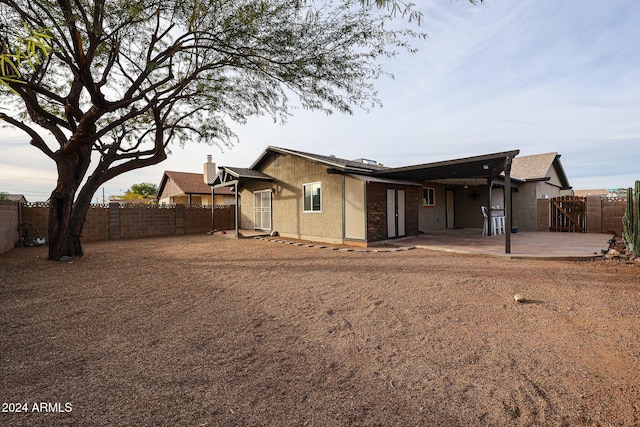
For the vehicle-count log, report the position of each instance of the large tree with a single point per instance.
(114, 82)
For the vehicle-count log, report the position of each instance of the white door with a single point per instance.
(395, 213)
(262, 210)
(401, 213)
(391, 213)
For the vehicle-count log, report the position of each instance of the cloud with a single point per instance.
(534, 75)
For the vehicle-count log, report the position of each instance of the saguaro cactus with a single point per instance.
(631, 221)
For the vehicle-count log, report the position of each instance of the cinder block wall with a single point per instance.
(612, 213)
(37, 215)
(117, 222)
(9, 221)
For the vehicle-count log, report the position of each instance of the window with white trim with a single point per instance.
(312, 197)
(428, 197)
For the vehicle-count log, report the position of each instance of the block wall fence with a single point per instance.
(117, 222)
(9, 221)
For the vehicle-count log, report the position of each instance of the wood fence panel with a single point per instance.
(568, 213)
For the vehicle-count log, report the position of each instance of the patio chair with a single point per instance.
(485, 215)
(497, 223)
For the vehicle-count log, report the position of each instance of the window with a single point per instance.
(312, 201)
(428, 197)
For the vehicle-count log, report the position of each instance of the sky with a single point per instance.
(535, 75)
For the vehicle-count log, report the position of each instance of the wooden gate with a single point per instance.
(567, 213)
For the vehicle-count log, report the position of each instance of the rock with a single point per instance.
(612, 253)
(65, 258)
(518, 298)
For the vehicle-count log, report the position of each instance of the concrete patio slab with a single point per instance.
(524, 245)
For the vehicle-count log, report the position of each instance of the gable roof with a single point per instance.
(536, 168)
(330, 161)
(228, 176)
(189, 183)
(16, 198)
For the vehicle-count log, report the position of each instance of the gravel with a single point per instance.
(207, 330)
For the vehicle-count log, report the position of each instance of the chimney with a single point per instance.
(209, 170)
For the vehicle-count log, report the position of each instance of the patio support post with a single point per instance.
(213, 214)
(507, 204)
(489, 197)
(236, 210)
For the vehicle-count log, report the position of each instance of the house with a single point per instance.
(19, 198)
(329, 199)
(140, 201)
(188, 188)
(539, 176)
(610, 193)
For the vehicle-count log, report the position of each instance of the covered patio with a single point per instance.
(524, 245)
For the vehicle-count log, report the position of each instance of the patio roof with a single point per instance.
(488, 166)
(231, 176)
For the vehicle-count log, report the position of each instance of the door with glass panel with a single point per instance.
(262, 210)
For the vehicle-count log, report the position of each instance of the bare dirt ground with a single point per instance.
(207, 331)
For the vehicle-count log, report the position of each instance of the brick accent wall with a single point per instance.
(115, 222)
(9, 221)
(377, 210)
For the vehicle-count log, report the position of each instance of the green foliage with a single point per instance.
(28, 48)
(631, 221)
(116, 82)
(4, 195)
(145, 190)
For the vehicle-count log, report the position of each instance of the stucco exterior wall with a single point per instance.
(468, 212)
(554, 178)
(288, 218)
(355, 212)
(525, 207)
(525, 201)
(433, 217)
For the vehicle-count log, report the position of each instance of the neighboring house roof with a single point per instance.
(537, 167)
(133, 201)
(612, 192)
(16, 198)
(584, 193)
(189, 183)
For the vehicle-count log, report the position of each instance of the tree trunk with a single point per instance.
(67, 213)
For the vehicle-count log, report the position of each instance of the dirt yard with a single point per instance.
(208, 331)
